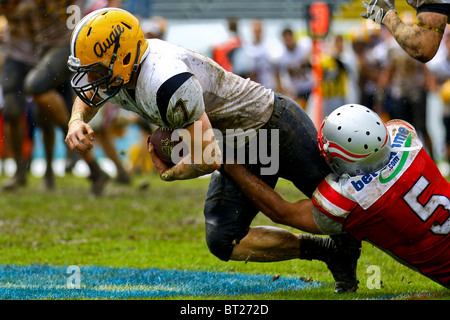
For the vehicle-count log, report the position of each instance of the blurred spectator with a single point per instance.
(92, 5)
(440, 68)
(154, 27)
(294, 72)
(444, 92)
(261, 68)
(405, 83)
(335, 81)
(223, 52)
(369, 64)
(140, 8)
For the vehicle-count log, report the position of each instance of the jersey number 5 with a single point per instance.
(424, 212)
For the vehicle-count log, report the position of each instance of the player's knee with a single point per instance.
(220, 242)
(227, 216)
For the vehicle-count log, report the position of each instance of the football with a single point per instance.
(163, 145)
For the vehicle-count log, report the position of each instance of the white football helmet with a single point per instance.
(354, 140)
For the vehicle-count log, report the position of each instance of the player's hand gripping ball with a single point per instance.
(163, 144)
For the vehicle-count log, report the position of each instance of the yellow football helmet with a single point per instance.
(107, 47)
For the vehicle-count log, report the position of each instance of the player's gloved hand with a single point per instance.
(377, 10)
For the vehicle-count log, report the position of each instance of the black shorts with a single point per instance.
(228, 213)
(442, 8)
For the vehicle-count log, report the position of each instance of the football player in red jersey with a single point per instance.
(385, 189)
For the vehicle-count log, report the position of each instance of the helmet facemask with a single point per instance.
(89, 92)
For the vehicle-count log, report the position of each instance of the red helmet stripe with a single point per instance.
(333, 145)
(386, 139)
(338, 155)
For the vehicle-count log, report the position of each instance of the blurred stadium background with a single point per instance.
(200, 25)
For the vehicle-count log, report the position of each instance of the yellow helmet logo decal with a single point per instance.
(100, 48)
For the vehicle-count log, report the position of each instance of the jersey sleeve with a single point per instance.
(325, 224)
(437, 6)
(180, 100)
(442, 8)
(331, 206)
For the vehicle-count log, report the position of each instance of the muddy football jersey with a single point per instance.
(176, 85)
(403, 208)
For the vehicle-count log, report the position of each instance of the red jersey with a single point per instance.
(402, 209)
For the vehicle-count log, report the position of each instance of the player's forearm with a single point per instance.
(81, 111)
(195, 166)
(259, 193)
(421, 41)
(298, 215)
(185, 171)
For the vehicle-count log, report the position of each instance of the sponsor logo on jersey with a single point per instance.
(403, 138)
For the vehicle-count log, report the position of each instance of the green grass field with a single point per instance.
(162, 226)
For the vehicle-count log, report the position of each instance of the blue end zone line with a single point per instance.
(95, 282)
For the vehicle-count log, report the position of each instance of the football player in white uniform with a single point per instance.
(176, 88)
(421, 40)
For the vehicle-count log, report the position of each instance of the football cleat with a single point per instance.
(343, 262)
(339, 252)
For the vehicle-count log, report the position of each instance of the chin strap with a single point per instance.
(114, 55)
(136, 62)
